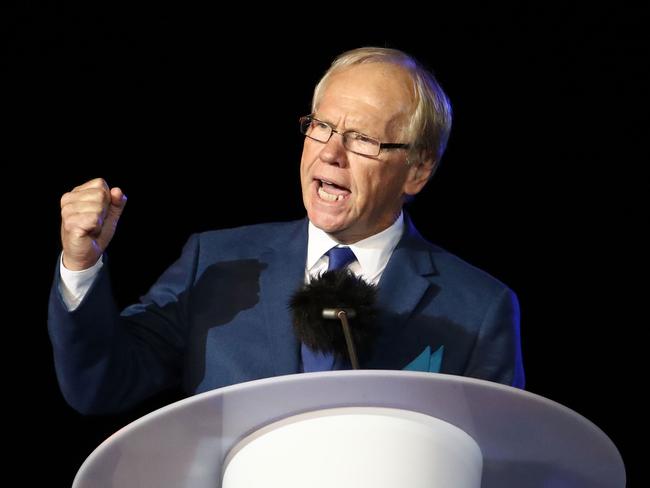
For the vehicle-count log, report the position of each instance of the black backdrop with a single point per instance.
(538, 185)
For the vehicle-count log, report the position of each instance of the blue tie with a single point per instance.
(339, 257)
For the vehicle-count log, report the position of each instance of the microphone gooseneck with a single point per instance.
(342, 314)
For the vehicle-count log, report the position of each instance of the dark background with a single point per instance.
(540, 185)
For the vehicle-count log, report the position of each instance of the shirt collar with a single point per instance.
(372, 252)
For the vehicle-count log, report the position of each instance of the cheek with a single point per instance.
(309, 156)
(374, 181)
(304, 165)
(384, 185)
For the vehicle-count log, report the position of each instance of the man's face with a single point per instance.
(347, 195)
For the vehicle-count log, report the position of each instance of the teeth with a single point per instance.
(328, 196)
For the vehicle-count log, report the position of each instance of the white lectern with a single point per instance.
(358, 429)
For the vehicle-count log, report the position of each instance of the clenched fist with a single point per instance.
(89, 215)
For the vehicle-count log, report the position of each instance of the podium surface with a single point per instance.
(527, 441)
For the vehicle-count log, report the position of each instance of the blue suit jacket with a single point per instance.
(220, 316)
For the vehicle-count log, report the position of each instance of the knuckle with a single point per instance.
(100, 183)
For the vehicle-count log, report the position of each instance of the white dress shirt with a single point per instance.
(372, 253)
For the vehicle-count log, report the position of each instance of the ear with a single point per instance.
(419, 173)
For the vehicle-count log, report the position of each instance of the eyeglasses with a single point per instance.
(352, 141)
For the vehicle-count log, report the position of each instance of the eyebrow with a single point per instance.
(317, 117)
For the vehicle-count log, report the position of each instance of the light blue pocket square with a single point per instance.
(427, 361)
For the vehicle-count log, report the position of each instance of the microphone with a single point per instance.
(336, 294)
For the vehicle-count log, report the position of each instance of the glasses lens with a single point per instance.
(361, 144)
(315, 129)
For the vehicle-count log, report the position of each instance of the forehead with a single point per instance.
(378, 95)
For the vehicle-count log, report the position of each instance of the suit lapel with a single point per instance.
(402, 286)
(286, 260)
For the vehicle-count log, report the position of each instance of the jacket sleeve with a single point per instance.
(107, 361)
(496, 355)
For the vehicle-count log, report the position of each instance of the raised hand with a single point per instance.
(89, 216)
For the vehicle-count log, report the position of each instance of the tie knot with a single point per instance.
(340, 257)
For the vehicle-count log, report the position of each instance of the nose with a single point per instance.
(334, 152)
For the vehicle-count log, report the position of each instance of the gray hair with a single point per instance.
(430, 122)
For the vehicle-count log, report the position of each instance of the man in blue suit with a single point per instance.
(219, 315)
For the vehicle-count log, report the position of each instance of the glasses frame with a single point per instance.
(306, 121)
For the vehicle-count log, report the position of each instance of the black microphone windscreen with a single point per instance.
(335, 289)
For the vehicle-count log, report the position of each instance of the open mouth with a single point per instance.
(331, 192)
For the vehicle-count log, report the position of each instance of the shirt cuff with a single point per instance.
(75, 284)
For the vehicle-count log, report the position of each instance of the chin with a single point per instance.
(326, 222)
